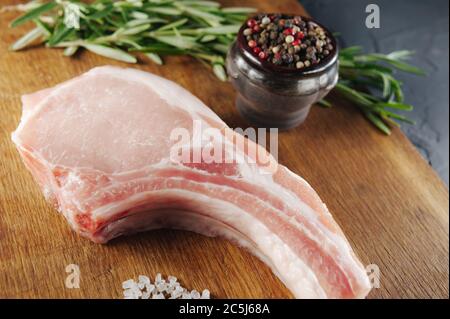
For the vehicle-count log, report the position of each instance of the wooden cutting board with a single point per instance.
(389, 202)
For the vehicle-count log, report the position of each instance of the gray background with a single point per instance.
(422, 26)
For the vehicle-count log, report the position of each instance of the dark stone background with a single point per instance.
(422, 26)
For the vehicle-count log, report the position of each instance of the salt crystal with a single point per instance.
(161, 289)
(177, 291)
(175, 294)
(180, 289)
(146, 295)
(158, 278)
(128, 284)
(144, 279)
(132, 293)
(186, 295)
(172, 279)
(128, 293)
(173, 286)
(205, 294)
(170, 289)
(195, 294)
(149, 287)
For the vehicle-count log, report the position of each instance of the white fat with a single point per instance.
(258, 239)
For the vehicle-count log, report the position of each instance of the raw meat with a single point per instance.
(99, 146)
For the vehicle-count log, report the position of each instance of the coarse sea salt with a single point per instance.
(160, 289)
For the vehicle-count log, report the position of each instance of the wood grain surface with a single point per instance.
(389, 202)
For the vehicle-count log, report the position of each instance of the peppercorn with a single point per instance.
(288, 58)
(310, 50)
(288, 41)
(248, 31)
(256, 50)
(287, 31)
(251, 23)
(265, 20)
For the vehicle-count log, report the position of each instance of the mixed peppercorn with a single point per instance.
(290, 42)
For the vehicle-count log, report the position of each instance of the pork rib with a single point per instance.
(99, 144)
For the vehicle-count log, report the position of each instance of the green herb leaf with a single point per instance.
(135, 30)
(374, 57)
(71, 50)
(393, 105)
(350, 51)
(324, 103)
(27, 39)
(226, 29)
(110, 52)
(208, 38)
(377, 122)
(212, 4)
(219, 71)
(174, 24)
(34, 13)
(60, 33)
(165, 11)
(100, 14)
(239, 10)
(210, 18)
(182, 42)
(362, 76)
(155, 58)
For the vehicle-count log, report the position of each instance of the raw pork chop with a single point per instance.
(99, 145)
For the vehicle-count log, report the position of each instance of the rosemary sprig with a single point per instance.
(117, 28)
(367, 80)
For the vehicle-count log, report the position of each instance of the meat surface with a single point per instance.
(101, 148)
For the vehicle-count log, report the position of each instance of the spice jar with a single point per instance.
(276, 94)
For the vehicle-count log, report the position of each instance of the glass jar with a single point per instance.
(275, 96)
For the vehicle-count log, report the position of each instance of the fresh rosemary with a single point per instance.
(205, 30)
(367, 80)
(115, 29)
